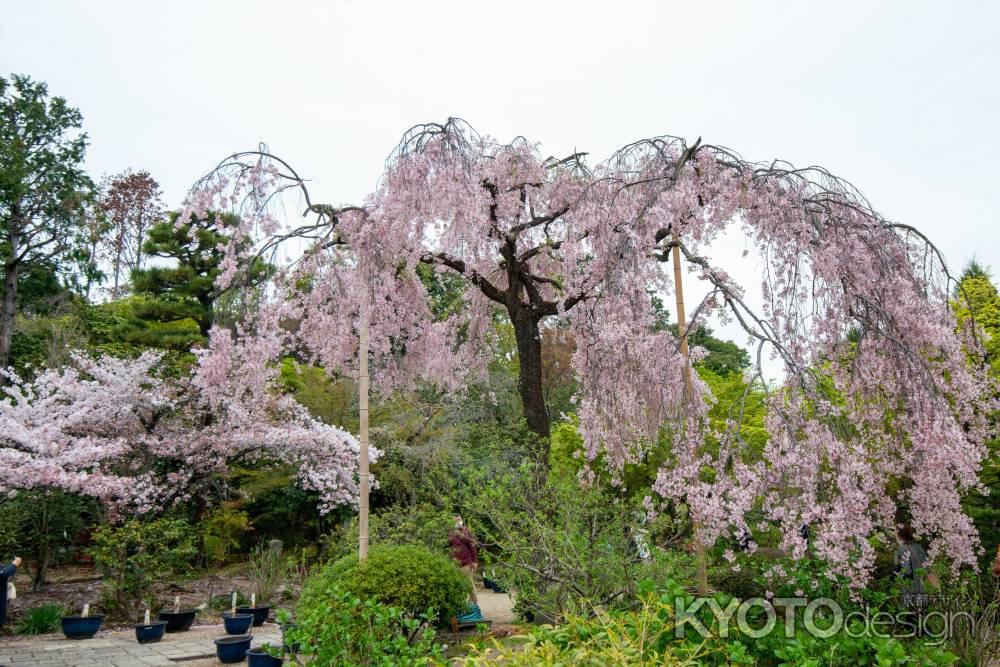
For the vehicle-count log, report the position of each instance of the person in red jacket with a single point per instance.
(464, 551)
(996, 564)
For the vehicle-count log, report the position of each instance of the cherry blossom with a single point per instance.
(114, 429)
(878, 392)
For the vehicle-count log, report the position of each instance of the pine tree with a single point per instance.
(174, 304)
(976, 296)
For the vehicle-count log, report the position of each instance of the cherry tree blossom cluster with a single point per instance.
(76, 428)
(881, 415)
(114, 429)
(252, 420)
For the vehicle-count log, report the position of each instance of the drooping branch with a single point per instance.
(443, 259)
(876, 387)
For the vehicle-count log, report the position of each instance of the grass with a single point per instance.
(39, 620)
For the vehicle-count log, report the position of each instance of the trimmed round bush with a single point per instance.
(410, 578)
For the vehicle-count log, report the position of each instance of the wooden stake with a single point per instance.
(688, 396)
(363, 428)
(682, 321)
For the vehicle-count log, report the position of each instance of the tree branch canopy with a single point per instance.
(43, 188)
(877, 387)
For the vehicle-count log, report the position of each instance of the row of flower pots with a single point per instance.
(236, 647)
(233, 648)
(85, 627)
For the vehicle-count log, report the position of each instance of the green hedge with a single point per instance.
(336, 629)
(409, 577)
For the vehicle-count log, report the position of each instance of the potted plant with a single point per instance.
(237, 623)
(149, 631)
(134, 556)
(266, 568)
(83, 626)
(178, 620)
(259, 613)
(265, 656)
(232, 649)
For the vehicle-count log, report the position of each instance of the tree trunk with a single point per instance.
(529, 352)
(91, 262)
(40, 575)
(114, 289)
(7, 312)
(207, 316)
(119, 245)
(43, 549)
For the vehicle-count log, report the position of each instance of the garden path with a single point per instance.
(118, 648)
(496, 607)
(194, 648)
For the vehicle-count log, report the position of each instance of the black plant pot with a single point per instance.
(237, 624)
(178, 621)
(81, 627)
(257, 657)
(146, 633)
(259, 612)
(232, 649)
(492, 585)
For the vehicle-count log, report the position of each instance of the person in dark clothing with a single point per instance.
(910, 563)
(464, 551)
(7, 573)
(910, 560)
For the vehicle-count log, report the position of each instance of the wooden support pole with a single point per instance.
(682, 322)
(363, 428)
(688, 389)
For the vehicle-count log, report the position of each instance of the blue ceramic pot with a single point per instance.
(81, 627)
(146, 633)
(257, 657)
(232, 649)
(237, 624)
(178, 621)
(259, 612)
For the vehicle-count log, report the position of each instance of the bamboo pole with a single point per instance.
(681, 321)
(688, 396)
(363, 428)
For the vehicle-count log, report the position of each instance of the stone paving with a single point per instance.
(496, 607)
(118, 648)
(194, 648)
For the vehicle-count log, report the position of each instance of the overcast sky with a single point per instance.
(900, 98)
